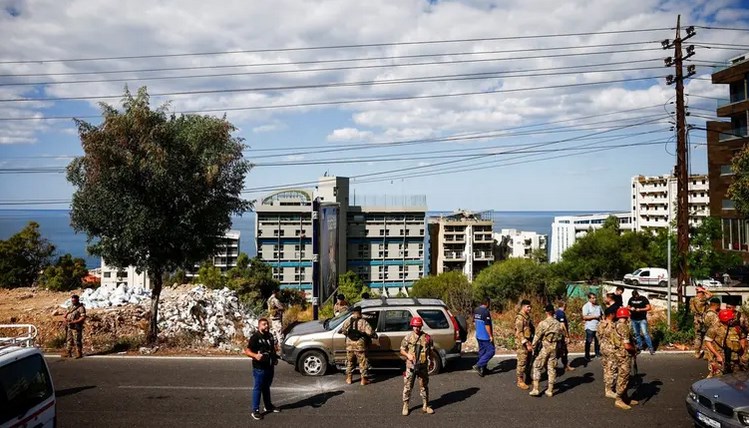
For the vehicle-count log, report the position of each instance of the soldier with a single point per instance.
(698, 306)
(275, 311)
(737, 340)
(710, 318)
(417, 349)
(74, 319)
(523, 339)
(718, 344)
(550, 331)
(341, 305)
(623, 353)
(604, 332)
(357, 331)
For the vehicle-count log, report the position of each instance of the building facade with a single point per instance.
(654, 200)
(521, 244)
(462, 241)
(226, 255)
(724, 140)
(113, 276)
(567, 229)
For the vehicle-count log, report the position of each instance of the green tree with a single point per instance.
(65, 275)
(451, 287)
(704, 259)
(253, 281)
(23, 256)
(738, 191)
(506, 281)
(211, 276)
(351, 286)
(156, 191)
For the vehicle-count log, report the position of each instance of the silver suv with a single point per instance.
(313, 347)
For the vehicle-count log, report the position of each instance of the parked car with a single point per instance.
(27, 395)
(313, 347)
(740, 274)
(708, 282)
(647, 276)
(720, 401)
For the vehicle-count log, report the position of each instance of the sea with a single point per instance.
(55, 227)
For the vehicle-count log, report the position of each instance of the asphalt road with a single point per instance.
(214, 392)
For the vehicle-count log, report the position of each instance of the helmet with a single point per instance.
(622, 313)
(726, 315)
(417, 322)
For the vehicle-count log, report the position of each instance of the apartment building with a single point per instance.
(724, 140)
(461, 241)
(520, 244)
(567, 229)
(654, 200)
(226, 254)
(129, 276)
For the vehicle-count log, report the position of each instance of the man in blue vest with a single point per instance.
(482, 320)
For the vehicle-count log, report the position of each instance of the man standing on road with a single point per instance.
(74, 319)
(523, 338)
(549, 333)
(484, 336)
(639, 306)
(562, 350)
(262, 349)
(618, 299)
(276, 310)
(417, 349)
(591, 315)
(605, 332)
(698, 305)
(624, 351)
(357, 331)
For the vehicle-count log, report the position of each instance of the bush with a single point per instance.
(351, 285)
(211, 276)
(292, 297)
(681, 333)
(65, 275)
(452, 288)
(505, 282)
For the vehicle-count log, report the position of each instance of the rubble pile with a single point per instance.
(108, 296)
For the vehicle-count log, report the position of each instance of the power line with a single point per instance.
(329, 47)
(721, 28)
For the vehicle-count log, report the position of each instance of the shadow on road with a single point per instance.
(504, 366)
(72, 391)
(453, 397)
(571, 382)
(315, 401)
(643, 392)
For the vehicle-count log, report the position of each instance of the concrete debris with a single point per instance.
(108, 296)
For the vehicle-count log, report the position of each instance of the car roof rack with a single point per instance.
(23, 335)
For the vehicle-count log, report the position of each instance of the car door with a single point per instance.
(339, 340)
(644, 278)
(393, 327)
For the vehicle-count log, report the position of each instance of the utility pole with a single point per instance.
(682, 161)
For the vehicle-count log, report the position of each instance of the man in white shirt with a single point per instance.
(591, 315)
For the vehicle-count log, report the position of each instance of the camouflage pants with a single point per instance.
(276, 327)
(609, 372)
(623, 365)
(73, 337)
(408, 384)
(546, 358)
(523, 357)
(361, 358)
(699, 334)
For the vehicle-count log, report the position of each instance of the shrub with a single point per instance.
(211, 276)
(65, 275)
(452, 288)
(682, 331)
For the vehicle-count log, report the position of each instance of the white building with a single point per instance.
(652, 196)
(567, 229)
(462, 241)
(113, 276)
(521, 244)
(226, 254)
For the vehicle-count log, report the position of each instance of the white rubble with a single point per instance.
(110, 295)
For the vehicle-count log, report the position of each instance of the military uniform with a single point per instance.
(710, 319)
(621, 358)
(408, 345)
(549, 332)
(606, 329)
(340, 307)
(523, 334)
(74, 332)
(718, 335)
(357, 332)
(744, 326)
(698, 306)
(275, 311)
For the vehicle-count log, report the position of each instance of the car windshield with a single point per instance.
(637, 271)
(333, 323)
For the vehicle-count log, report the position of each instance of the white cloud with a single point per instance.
(269, 127)
(349, 134)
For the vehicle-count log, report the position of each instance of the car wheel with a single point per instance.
(313, 363)
(635, 282)
(662, 284)
(435, 364)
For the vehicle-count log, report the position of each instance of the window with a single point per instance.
(107, 274)
(728, 204)
(396, 320)
(726, 170)
(372, 318)
(434, 318)
(24, 384)
(122, 274)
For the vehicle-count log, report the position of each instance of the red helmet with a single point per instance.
(622, 313)
(726, 315)
(417, 322)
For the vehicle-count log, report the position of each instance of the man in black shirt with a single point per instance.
(639, 306)
(262, 349)
(618, 296)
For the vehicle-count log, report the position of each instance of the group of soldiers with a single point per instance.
(720, 335)
(546, 344)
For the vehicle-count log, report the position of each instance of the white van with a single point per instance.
(27, 395)
(647, 276)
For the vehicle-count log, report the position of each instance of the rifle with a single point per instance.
(417, 360)
(635, 370)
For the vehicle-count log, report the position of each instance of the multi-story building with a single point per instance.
(521, 244)
(462, 241)
(567, 229)
(129, 276)
(654, 200)
(724, 140)
(379, 238)
(226, 254)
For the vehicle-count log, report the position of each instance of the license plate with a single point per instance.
(707, 421)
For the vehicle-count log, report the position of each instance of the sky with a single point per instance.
(511, 105)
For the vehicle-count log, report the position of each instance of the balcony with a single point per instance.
(455, 238)
(483, 238)
(483, 255)
(454, 255)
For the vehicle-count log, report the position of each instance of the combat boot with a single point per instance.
(348, 379)
(521, 383)
(698, 354)
(405, 409)
(550, 390)
(365, 381)
(535, 392)
(569, 368)
(79, 353)
(610, 394)
(621, 404)
(426, 409)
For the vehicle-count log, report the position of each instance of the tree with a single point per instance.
(157, 191)
(23, 256)
(704, 260)
(351, 286)
(738, 191)
(65, 275)
(506, 281)
(211, 276)
(451, 287)
(253, 280)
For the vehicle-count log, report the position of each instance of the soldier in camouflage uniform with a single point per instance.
(275, 311)
(341, 305)
(417, 364)
(624, 352)
(523, 338)
(74, 327)
(698, 306)
(742, 329)
(721, 341)
(357, 332)
(550, 331)
(606, 328)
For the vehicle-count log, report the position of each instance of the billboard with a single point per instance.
(327, 250)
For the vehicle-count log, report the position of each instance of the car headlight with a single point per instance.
(743, 418)
(291, 340)
(693, 396)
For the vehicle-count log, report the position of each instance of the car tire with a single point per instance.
(436, 364)
(313, 363)
(663, 284)
(635, 282)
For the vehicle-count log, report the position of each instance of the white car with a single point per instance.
(648, 276)
(27, 395)
(709, 282)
